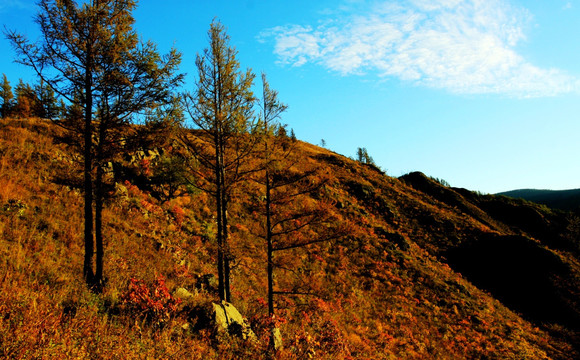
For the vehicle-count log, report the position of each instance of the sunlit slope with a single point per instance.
(424, 271)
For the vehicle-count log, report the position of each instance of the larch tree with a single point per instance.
(270, 111)
(362, 156)
(291, 219)
(92, 58)
(221, 109)
(46, 105)
(25, 102)
(6, 96)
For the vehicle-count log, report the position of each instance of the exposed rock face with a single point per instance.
(277, 338)
(221, 317)
(182, 294)
(228, 318)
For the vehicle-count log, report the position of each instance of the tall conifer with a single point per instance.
(92, 58)
(221, 107)
(6, 96)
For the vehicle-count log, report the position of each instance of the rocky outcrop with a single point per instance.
(221, 317)
(276, 338)
(183, 294)
(228, 318)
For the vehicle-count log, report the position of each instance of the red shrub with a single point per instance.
(152, 302)
(178, 214)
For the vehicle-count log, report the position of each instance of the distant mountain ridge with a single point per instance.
(557, 199)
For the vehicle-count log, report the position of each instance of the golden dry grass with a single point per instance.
(374, 299)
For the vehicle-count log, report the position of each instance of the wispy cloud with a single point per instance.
(464, 46)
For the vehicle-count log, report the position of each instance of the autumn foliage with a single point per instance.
(383, 290)
(151, 302)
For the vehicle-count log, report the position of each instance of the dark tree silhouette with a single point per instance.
(270, 110)
(91, 57)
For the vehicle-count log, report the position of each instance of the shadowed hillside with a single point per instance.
(528, 260)
(557, 199)
(420, 270)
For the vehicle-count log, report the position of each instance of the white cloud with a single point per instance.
(297, 38)
(464, 46)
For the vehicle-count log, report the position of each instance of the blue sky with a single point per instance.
(482, 93)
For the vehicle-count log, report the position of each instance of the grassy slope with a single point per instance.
(384, 291)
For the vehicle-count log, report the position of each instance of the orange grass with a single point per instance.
(373, 299)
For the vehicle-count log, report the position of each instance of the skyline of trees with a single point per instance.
(106, 80)
(6, 96)
(27, 100)
(362, 156)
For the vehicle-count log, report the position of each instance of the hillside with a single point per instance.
(423, 271)
(557, 199)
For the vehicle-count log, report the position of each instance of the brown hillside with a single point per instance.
(423, 272)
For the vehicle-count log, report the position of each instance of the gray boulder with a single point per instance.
(228, 318)
(182, 294)
(221, 317)
(277, 338)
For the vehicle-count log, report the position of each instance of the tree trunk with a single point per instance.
(218, 199)
(269, 241)
(227, 251)
(99, 200)
(98, 281)
(224, 219)
(88, 182)
(89, 250)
